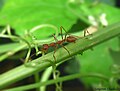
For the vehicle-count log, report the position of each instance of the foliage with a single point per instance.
(37, 19)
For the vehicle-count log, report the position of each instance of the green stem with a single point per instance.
(36, 76)
(79, 46)
(11, 53)
(45, 77)
(61, 79)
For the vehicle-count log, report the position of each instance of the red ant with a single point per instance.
(68, 39)
(58, 42)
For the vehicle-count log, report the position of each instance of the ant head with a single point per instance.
(44, 48)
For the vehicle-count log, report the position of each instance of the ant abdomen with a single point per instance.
(71, 39)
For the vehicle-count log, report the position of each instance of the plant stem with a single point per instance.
(61, 79)
(45, 77)
(79, 46)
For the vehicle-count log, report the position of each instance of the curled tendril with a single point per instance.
(12, 37)
(35, 29)
(44, 26)
(56, 73)
(18, 38)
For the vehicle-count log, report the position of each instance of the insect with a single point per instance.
(55, 45)
(67, 38)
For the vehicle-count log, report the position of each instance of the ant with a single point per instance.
(68, 39)
(55, 45)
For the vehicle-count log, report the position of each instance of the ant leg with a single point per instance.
(62, 28)
(61, 32)
(56, 49)
(55, 38)
(62, 45)
(86, 31)
(65, 48)
(54, 53)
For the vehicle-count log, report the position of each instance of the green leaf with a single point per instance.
(23, 15)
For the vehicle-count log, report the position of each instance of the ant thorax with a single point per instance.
(60, 42)
(52, 44)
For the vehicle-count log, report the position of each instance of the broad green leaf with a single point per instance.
(23, 15)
